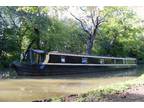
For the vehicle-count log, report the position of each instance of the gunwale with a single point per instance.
(89, 64)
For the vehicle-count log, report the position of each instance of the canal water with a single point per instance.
(36, 88)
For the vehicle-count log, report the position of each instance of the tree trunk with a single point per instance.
(37, 33)
(89, 46)
(38, 43)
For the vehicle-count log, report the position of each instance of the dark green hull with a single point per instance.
(66, 69)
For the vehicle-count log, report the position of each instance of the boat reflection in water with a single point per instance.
(42, 63)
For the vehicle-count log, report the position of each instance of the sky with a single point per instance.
(73, 9)
(139, 10)
(72, 2)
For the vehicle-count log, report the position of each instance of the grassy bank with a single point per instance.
(99, 94)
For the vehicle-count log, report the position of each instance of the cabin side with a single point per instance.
(84, 59)
(43, 57)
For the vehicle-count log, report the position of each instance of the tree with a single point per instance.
(37, 21)
(8, 39)
(120, 32)
(90, 20)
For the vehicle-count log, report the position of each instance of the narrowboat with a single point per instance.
(39, 63)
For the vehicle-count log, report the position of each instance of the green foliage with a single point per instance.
(23, 25)
(64, 36)
(119, 35)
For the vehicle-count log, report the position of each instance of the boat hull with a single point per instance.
(66, 69)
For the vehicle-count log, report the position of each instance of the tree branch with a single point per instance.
(81, 24)
(92, 18)
(12, 18)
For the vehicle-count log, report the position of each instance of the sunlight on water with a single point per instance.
(28, 89)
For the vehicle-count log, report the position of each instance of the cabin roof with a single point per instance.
(89, 56)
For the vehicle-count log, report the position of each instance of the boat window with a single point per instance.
(101, 61)
(131, 61)
(93, 60)
(108, 61)
(38, 58)
(54, 58)
(73, 59)
(41, 58)
(119, 61)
